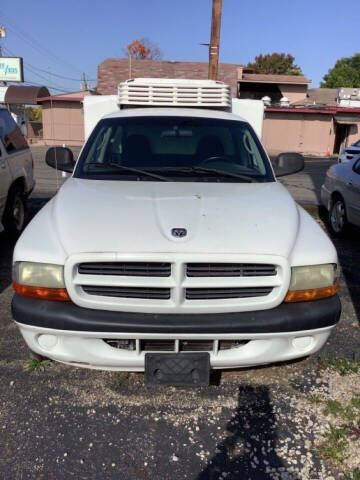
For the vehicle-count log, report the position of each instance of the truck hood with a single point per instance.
(127, 216)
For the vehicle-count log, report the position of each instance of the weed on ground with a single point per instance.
(35, 362)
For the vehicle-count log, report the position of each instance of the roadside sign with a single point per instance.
(11, 69)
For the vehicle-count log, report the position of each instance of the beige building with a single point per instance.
(314, 125)
(63, 118)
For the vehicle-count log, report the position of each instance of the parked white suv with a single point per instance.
(16, 174)
(172, 248)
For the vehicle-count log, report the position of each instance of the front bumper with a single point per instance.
(76, 335)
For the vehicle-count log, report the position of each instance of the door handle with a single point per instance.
(3, 165)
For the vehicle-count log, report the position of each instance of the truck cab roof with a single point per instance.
(174, 112)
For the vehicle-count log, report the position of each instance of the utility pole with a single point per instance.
(215, 39)
(2, 35)
(84, 85)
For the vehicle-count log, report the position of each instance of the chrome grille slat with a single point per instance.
(230, 270)
(128, 292)
(134, 269)
(223, 293)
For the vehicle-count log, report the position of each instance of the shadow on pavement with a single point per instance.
(7, 244)
(6, 250)
(248, 451)
(315, 170)
(349, 257)
(348, 250)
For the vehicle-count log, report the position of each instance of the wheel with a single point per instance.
(14, 215)
(338, 223)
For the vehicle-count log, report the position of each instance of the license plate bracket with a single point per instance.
(177, 369)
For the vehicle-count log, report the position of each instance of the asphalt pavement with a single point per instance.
(60, 422)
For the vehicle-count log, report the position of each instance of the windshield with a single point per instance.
(174, 149)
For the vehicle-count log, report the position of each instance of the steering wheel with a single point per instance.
(214, 158)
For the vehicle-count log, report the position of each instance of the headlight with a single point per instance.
(312, 276)
(40, 280)
(312, 282)
(39, 274)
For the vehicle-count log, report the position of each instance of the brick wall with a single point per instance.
(112, 71)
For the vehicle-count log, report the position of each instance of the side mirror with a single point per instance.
(60, 158)
(288, 163)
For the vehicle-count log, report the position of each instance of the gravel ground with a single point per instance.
(60, 422)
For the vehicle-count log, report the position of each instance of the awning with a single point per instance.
(22, 94)
(347, 119)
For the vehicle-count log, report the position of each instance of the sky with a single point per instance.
(66, 38)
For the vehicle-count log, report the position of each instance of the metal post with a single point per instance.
(215, 39)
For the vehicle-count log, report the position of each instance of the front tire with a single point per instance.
(338, 223)
(14, 215)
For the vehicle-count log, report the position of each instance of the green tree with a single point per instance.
(34, 114)
(345, 73)
(275, 63)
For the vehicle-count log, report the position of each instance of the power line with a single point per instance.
(40, 50)
(32, 69)
(61, 76)
(40, 76)
(49, 86)
(50, 73)
(24, 36)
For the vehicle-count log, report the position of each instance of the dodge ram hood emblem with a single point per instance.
(179, 232)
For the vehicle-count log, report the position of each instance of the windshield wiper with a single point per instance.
(199, 169)
(129, 169)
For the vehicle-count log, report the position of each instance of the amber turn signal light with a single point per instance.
(311, 294)
(43, 293)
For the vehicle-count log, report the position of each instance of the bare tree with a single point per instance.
(142, 49)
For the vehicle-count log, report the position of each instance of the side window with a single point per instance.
(10, 133)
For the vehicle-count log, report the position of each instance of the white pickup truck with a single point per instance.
(172, 248)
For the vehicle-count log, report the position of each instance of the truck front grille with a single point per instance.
(127, 292)
(230, 270)
(176, 283)
(221, 293)
(165, 345)
(129, 269)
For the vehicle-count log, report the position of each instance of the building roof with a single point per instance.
(77, 96)
(58, 98)
(322, 110)
(319, 96)
(269, 78)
